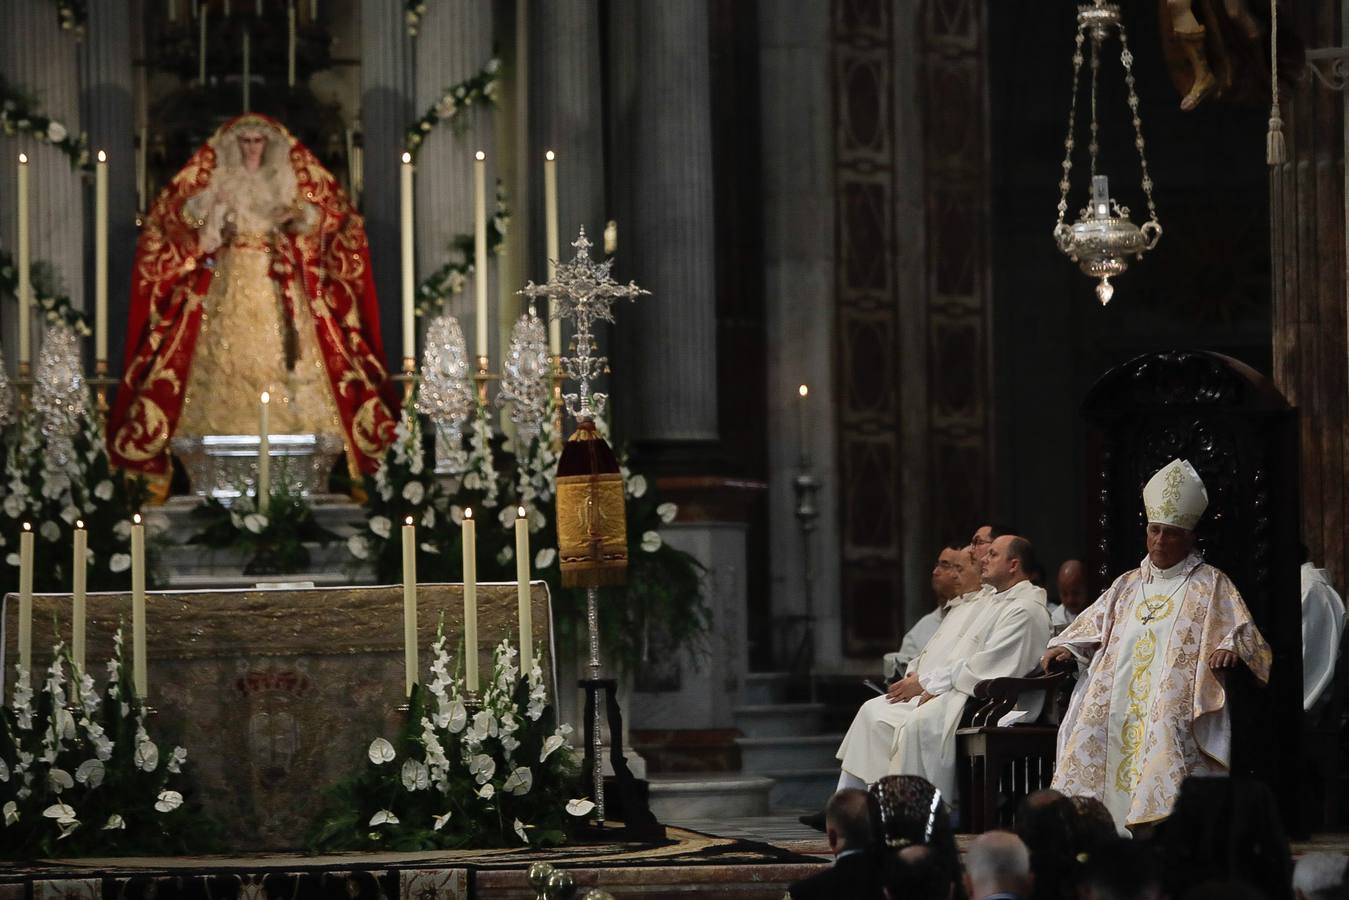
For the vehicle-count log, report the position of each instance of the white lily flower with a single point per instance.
(147, 756)
(520, 831)
(56, 132)
(384, 817)
(667, 512)
(486, 792)
(176, 759)
(484, 725)
(67, 828)
(119, 562)
(122, 530)
(637, 485)
(440, 821)
(59, 779)
(12, 559)
(458, 716)
(544, 558)
(429, 517)
(115, 823)
(4, 771)
(381, 751)
(357, 546)
(416, 777)
(650, 541)
(414, 492)
(482, 767)
(579, 807)
(90, 772)
(519, 782)
(61, 812)
(103, 490)
(256, 522)
(168, 801)
(457, 515)
(50, 531)
(381, 526)
(550, 743)
(11, 813)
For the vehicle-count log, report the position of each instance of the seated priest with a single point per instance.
(954, 567)
(1322, 630)
(1155, 646)
(1073, 597)
(911, 731)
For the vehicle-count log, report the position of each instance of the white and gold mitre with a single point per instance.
(1175, 495)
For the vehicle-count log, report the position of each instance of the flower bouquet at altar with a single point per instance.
(498, 774)
(80, 774)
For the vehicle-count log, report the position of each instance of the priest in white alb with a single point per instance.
(995, 634)
(1153, 650)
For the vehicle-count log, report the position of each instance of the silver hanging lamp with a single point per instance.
(1103, 238)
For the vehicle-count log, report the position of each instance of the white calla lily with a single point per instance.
(458, 716)
(579, 807)
(550, 743)
(439, 822)
(115, 823)
(381, 751)
(667, 512)
(147, 756)
(59, 779)
(520, 831)
(90, 772)
(61, 812)
(519, 782)
(650, 541)
(486, 792)
(11, 813)
(384, 817)
(416, 776)
(168, 801)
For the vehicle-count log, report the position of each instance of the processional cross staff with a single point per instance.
(591, 525)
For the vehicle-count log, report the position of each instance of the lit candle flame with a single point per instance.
(550, 156)
(803, 390)
(520, 512)
(407, 158)
(102, 157)
(136, 518)
(266, 397)
(23, 159)
(408, 520)
(79, 523)
(468, 514)
(27, 526)
(480, 156)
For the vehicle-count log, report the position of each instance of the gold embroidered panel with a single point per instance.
(277, 694)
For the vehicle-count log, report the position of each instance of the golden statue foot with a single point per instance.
(1204, 82)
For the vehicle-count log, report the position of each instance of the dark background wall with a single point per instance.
(1206, 286)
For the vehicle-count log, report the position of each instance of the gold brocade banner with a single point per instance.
(276, 694)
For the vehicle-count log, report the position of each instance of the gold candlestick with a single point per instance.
(481, 377)
(101, 383)
(557, 403)
(408, 377)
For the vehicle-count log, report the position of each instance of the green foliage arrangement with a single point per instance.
(272, 542)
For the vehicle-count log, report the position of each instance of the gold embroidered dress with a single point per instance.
(1150, 711)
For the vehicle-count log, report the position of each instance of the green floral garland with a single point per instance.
(480, 88)
(452, 278)
(17, 116)
(73, 14)
(55, 305)
(413, 11)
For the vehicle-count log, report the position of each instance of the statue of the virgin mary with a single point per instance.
(252, 274)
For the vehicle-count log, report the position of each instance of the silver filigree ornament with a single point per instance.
(525, 378)
(7, 412)
(584, 291)
(1103, 238)
(446, 395)
(58, 393)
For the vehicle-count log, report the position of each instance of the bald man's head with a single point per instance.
(997, 863)
(1073, 586)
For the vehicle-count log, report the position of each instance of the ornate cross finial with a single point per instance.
(583, 290)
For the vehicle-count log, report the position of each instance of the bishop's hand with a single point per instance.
(1055, 657)
(1221, 660)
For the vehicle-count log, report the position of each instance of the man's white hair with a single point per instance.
(1319, 875)
(997, 860)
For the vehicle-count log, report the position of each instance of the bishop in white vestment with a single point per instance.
(1152, 708)
(997, 633)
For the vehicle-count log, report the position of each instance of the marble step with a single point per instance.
(764, 688)
(779, 719)
(775, 754)
(677, 798)
(803, 789)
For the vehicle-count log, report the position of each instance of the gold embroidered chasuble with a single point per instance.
(1150, 711)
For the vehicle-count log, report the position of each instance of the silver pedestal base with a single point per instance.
(225, 466)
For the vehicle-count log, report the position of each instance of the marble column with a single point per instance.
(38, 57)
(107, 105)
(454, 42)
(661, 165)
(386, 110)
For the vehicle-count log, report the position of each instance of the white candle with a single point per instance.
(290, 44)
(101, 258)
(409, 255)
(409, 605)
(227, 7)
(142, 156)
(79, 570)
(550, 229)
(257, 8)
(470, 536)
(264, 491)
(24, 263)
(139, 679)
(522, 590)
(201, 46)
(247, 66)
(173, 10)
(480, 249)
(26, 597)
(803, 391)
(314, 9)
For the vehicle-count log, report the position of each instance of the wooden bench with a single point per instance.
(996, 766)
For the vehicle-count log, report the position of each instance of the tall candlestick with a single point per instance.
(409, 257)
(246, 72)
(480, 249)
(264, 493)
(142, 166)
(24, 263)
(227, 7)
(257, 8)
(101, 257)
(470, 553)
(138, 608)
(550, 234)
(290, 44)
(522, 590)
(173, 10)
(26, 597)
(201, 45)
(804, 392)
(314, 9)
(79, 570)
(409, 605)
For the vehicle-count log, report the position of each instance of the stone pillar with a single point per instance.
(661, 164)
(566, 117)
(108, 110)
(38, 57)
(796, 80)
(386, 110)
(454, 42)
(1307, 212)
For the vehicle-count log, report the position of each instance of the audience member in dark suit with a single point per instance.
(1122, 869)
(855, 873)
(917, 873)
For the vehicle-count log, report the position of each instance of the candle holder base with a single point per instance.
(630, 804)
